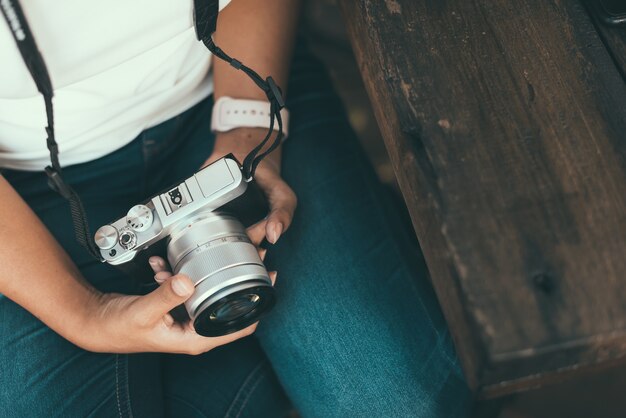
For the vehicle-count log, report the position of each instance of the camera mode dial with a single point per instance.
(139, 218)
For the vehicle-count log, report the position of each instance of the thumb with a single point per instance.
(172, 292)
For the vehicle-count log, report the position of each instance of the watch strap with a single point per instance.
(229, 113)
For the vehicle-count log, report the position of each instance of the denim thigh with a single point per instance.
(42, 374)
(357, 331)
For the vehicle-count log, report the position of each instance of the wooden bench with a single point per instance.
(506, 125)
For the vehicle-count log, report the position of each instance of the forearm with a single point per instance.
(36, 273)
(260, 34)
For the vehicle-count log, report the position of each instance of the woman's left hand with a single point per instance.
(282, 200)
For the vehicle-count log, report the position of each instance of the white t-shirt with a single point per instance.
(117, 67)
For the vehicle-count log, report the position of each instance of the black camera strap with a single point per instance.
(205, 20)
(27, 46)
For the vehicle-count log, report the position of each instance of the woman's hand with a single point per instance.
(128, 324)
(282, 200)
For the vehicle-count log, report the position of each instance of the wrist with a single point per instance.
(88, 329)
(241, 141)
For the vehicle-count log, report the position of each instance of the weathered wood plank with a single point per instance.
(506, 125)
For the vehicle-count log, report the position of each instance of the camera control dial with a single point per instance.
(106, 237)
(139, 218)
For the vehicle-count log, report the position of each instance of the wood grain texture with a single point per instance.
(506, 125)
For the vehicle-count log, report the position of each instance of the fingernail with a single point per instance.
(275, 233)
(156, 262)
(262, 253)
(161, 276)
(182, 287)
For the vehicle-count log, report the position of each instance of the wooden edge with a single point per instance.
(406, 151)
(412, 184)
(539, 380)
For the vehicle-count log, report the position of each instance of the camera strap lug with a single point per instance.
(56, 183)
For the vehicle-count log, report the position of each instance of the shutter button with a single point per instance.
(106, 237)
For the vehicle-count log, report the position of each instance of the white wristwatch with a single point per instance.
(229, 113)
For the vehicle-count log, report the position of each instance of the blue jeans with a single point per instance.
(357, 331)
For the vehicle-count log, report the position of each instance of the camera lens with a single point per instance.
(233, 288)
(233, 311)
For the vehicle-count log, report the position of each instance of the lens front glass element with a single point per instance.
(236, 308)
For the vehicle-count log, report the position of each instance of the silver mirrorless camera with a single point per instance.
(206, 240)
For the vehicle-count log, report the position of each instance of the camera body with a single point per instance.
(209, 189)
(203, 220)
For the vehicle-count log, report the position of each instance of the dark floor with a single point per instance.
(599, 395)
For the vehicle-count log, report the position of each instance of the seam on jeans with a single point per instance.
(129, 409)
(250, 392)
(243, 388)
(117, 385)
(121, 384)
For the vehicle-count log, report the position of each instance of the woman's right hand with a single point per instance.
(129, 324)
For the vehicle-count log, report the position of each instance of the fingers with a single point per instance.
(182, 338)
(152, 307)
(274, 228)
(162, 276)
(282, 207)
(256, 232)
(159, 267)
(168, 320)
(282, 202)
(201, 344)
(157, 263)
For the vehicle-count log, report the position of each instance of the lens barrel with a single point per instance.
(233, 288)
